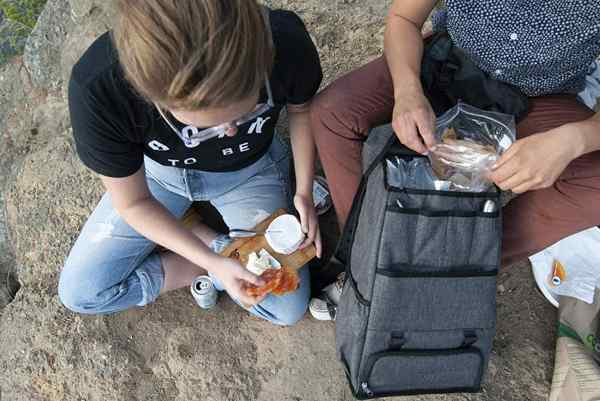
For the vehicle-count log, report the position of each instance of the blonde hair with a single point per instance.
(191, 54)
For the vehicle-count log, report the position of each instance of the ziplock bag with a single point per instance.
(469, 142)
(415, 173)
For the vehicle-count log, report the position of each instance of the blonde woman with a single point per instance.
(179, 104)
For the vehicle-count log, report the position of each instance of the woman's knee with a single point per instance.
(82, 293)
(291, 308)
(73, 296)
(96, 287)
(292, 314)
(77, 291)
(283, 311)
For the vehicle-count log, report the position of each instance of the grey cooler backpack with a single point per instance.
(418, 308)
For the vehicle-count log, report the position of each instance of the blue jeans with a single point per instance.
(112, 267)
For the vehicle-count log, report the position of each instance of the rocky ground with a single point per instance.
(172, 350)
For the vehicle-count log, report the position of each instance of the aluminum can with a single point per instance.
(204, 292)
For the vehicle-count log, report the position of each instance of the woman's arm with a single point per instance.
(413, 118)
(303, 148)
(136, 205)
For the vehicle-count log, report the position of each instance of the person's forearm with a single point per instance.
(403, 48)
(587, 134)
(155, 222)
(303, 148)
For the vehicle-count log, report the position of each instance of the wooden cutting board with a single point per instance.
(245, 246)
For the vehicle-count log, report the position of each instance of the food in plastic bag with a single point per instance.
(470, 141)
(415, 174)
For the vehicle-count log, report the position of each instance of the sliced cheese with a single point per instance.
(259, 263)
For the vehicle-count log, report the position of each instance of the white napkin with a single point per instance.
(580, 256)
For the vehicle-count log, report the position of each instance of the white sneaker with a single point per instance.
(324, 306)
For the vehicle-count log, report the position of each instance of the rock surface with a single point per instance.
(42, 51)
(172, 350)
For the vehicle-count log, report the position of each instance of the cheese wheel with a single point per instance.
(284, 234)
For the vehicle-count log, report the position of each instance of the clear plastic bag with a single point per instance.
(470, 141)
(415, 174)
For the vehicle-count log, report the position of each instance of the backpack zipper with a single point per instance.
(366, 389)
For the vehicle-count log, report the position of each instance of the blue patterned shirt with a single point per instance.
(541, 46)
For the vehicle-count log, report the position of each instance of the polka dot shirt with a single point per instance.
(541, 46)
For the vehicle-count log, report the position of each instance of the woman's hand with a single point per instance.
(413, 119)
(535, 162)
(234, 278)
(308, 219)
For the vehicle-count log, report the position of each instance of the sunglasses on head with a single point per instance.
(193, 136)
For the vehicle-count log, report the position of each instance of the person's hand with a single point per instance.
(235, 278)
(534, 162)
(413, 120)
(310, 222)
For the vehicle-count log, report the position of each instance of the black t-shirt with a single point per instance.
(114, 127)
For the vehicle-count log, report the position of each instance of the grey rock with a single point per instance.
(8, 279)
(18, 101)
(82, 9)
(78, 40)
(46, 205)
(50, 118)
(11, 91)
(43, 48)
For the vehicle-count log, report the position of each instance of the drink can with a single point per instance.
(204, 292)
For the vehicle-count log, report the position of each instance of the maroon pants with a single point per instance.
(343, 114)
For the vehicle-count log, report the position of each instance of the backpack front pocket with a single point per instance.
(433, 302)
(440, 238)
(404, 372)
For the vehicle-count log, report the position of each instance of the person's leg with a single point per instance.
(251, 202)
(537, 219)
(112, 267)
(180, 272)
(341, 117)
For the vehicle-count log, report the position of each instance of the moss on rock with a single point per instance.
(17, 20)
(25, 12)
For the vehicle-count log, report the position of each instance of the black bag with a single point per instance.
(449, 76)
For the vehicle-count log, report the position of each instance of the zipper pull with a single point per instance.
(489, 207)
(366, 389)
